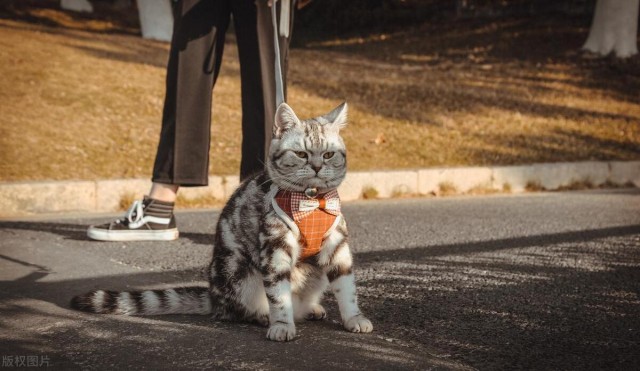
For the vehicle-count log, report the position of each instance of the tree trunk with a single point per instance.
(156, 19)
(614, 28)
(77, 5)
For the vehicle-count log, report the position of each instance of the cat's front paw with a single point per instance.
(281, 331)
(316, 313)
(358, 323)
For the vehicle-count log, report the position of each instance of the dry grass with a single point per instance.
(532, 186)
(126, 200)
(369, 193)
(198, 202)
(402, 191)
(486, 189)
(577, 185)
(447, 189)
(82, 98)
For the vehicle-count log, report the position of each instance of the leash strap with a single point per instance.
(276, 46)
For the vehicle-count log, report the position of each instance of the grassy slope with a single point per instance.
(82, 99)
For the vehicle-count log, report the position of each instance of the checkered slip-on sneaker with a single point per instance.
(146, 220)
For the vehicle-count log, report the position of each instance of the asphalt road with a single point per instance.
(538, 281)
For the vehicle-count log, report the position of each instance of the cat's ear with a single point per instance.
(285, 120)
(338, 117)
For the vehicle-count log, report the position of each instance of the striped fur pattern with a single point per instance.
(180, 300)
(256, 274)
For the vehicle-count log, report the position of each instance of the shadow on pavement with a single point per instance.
(562, 300)
(71, 339)
(500, 244)
(37, 320)
(558, 301)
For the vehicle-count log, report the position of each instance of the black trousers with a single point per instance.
(195, 58)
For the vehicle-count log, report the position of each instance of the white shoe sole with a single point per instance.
(133, 235)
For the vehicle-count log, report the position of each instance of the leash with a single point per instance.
(283, 30)
(285, 9)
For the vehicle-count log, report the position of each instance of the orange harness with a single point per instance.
(315, 217)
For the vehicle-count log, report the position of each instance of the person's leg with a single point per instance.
(164, 192)
(182, 158)
(267, 63)
(253, 123)
(194, 63)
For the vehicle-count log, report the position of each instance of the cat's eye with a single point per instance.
(301, 154)
(328, 155)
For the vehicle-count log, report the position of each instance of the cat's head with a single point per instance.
(310, 153)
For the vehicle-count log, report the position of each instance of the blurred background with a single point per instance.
(430, 83)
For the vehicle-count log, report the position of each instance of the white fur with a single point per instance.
(358, 323)
(307, 299)
(281, 261)
(284, 311)
(338, 117)
(150, 302)
(329, 245)
(125, 304)
(252, 294)
(342, 257)
(344, 289)
(281, 316)
(281, 332)
(98, 300)
(173, 300)
(285, 119)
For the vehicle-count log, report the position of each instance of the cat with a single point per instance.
(267, 267)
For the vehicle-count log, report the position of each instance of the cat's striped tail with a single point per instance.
(179, 300)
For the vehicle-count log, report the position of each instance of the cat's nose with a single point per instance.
(316, 168)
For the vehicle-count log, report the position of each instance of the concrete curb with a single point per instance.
(25, 198)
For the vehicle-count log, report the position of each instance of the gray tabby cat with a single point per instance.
(257, 273)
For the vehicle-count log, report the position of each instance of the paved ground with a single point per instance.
(542, 281)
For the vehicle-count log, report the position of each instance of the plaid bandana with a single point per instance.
(313, 216)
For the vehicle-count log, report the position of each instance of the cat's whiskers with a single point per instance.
(293, 183)
(280, 176)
